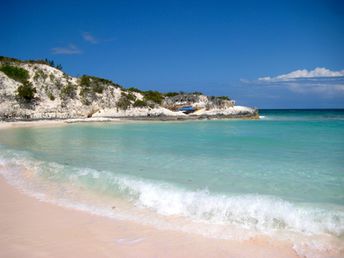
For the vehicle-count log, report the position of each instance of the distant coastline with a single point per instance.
(39, 90)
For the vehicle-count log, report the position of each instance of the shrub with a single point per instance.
(26, 92)
(154, 96)
(98, 88)
(52, 77)
(85, 81)
(46, 62)
(40, 74)
(85, 91)
(15, 73)
(224, 98)
(129, 96)
(67, 91)
(36, 76)
(8, 59)
(51, 96)
(134, 89)
(40, 61)
(91, 83)
(140, 103)
(171, 94)
(123, 103)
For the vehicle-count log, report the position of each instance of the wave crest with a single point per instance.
(250, 211)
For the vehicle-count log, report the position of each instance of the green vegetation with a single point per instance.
(95, 84)
(154, 96)
(171, 94)
(133, 89)
(123, 103)
(140, 103)
(52, 77)
(90, 86)
(15, 73)
(26, 92)
(126, 101)
(224, 98)
(85, 81)
(130, 96)
(36, 76)
(40, 74)
(98, 88)
(46, 61)
(67, 91)
(5, 59)
(86, 90)
(51, 96)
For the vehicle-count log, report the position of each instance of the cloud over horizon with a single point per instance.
(320, 81)
(318, 72)
(71, 49)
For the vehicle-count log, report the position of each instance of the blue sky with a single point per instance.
(217, 47)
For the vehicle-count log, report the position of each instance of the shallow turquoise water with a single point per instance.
(284, 171)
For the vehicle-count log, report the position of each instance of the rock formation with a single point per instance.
(31, 90)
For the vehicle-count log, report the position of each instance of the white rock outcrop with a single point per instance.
(60, 96)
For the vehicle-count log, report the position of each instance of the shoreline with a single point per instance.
(5, 124)
(32, 228)
(123, 237)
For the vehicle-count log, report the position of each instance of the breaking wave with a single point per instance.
(250, 211)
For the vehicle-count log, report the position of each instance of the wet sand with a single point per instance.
(31, 228)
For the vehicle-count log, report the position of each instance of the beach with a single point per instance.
(173, 189)
(172, 129)
(31, 228)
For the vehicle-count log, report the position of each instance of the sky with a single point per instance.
(266, 54)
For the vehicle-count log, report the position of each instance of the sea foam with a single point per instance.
(251, 211)
(258, 214)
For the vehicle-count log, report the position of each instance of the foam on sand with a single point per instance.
(168, 206)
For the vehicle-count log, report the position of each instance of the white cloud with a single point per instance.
(90, 38)
(320, 81)
(303, 74)
(68, 50)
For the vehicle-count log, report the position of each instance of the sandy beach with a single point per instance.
(55, 122)
(179, 129)
(31, 228)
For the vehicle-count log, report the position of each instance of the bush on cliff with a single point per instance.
(123, 103)
(171, 94)
(67, 91)
(224, 98)
(26, 92)
(15, 73)
(133, 89)
(140, 103)
(154, 96)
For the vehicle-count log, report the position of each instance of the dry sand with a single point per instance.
(31, 228)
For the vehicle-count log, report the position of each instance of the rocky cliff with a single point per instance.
(32, 90)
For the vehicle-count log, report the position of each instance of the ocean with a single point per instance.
(281, 176)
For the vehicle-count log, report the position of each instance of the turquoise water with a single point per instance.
(283, 172)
